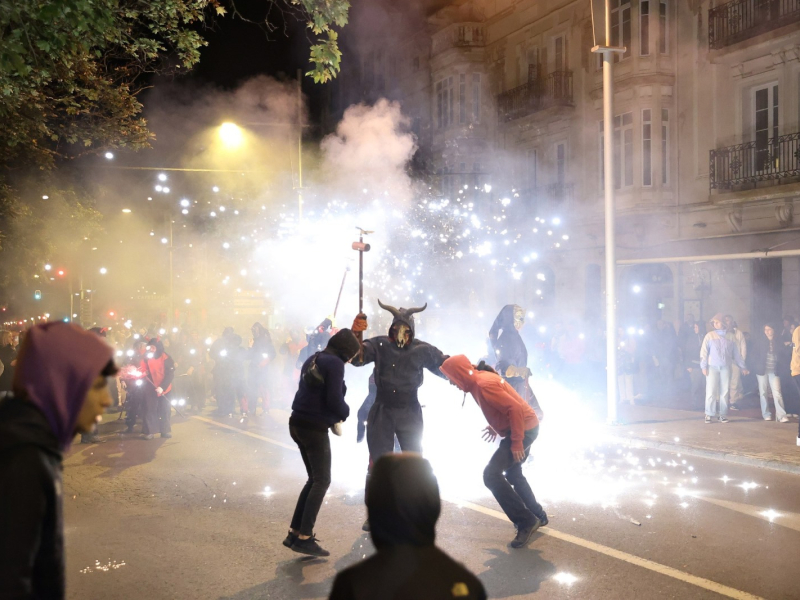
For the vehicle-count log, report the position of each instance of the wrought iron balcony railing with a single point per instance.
(739, 20)
(459, 35)
(761, 160)
(559, 192)
(536, 95)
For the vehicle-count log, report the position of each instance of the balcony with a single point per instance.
(749, 164)
(558, 193)
(536, 95)
(459, 35)
(739, 20)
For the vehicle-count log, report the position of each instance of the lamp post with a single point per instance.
(601, 25)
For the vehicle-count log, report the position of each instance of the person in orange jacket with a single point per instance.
(510, 417)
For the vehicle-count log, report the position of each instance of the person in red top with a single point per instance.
(510, 417)
(159, 371)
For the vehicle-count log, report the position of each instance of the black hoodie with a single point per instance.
(403, 506)
(32, 542)
(507, 345)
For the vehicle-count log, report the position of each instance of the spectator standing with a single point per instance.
(767, 353)
(403, 506)
(795, 366)
(60, 389)
(692, 343)
(8, 356)
(717, 353)
(736, 387)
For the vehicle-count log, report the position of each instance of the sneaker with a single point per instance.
(290, 538)
(708, 419)
(543, 521)
(148, 436)
(723, 419)
(784, 419)
(733, 407)
(524, 534)
(166, 435)
(768, 418)
(365, 526)
(309, 547)
(93, 439)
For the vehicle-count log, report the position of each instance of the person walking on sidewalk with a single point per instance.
(511, 418)
(717, 353)
(795, 367)
(318, 405)
(767, 352)
(736, 387)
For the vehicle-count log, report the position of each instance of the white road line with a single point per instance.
(650, 565)
(782, 518)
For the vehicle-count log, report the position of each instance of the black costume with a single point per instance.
(398, 376)
(317, 341)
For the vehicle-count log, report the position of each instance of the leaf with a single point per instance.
(221, 11)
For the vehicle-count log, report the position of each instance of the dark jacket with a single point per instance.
(757, 354)
(507, 345)
(319, 407)
(399, 371)
(7, 355)
(317, 341)
(692, 343)
(31, 538)
(403, 506)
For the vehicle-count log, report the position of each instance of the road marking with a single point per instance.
(783, 518)
(650, 565)
(247, 433)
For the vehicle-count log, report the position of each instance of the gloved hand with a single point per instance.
(359, 323)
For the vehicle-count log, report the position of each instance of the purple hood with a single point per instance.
(57, 366)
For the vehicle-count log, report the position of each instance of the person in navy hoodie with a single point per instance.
(318, 405)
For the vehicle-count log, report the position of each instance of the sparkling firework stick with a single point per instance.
(341, 287)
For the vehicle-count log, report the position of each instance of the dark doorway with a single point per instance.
(765, 299)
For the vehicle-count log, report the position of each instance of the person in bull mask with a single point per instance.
(399, 359)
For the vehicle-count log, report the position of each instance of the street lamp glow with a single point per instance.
(637, 289)
(162, 176)
(231, 135)
(126, 210)
(47, 267)
(185, 203)
(103, 271)
(164, 240)
(215, 189)
(109, 155)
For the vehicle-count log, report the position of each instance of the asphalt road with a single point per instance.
(202, 515)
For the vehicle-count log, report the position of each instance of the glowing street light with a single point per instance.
(109, 155)
(103, 271)
(231, 135)
(126, 210)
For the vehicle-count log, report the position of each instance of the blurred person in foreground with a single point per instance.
(60, 389)
(403, 506)
(318, 405)
(510, 417)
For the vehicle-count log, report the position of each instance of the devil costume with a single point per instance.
(399, 362)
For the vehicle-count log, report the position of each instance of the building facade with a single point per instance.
(706, 137)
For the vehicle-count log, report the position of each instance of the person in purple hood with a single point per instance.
(59, 390)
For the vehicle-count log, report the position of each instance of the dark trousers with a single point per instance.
(386, 422)
(155, 418)
(504, 478)
(133, 404)
(315, 448)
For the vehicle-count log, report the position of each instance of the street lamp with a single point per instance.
(231, 135)
(103, 270)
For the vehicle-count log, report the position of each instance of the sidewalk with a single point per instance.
(746, 439)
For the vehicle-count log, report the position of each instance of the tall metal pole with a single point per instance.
(171, 315)
(361, 276)
(300, 145)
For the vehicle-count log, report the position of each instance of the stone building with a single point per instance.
(706, 144)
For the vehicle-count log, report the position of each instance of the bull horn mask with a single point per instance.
(403, 312)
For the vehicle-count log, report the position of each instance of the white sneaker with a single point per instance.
(768, 418)
(784, 419)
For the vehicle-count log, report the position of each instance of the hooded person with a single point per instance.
(510, 417)
(400, 359)
(158, 369)
(718, 352)
(403, 506)
(317, 340)
(59, 390)
(318, 405)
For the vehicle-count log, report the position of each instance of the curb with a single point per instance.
(774, 465)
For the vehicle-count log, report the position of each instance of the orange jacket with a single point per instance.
(503, 408)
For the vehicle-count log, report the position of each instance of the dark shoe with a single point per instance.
(91, 439)
(129, 429)
(543, 521)
(723, 419)
(148, 436)
(524, 534)
(309, 547)
(166, 435)
(365, 526)
(290, 538)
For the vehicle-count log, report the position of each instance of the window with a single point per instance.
(560, 53)
(476, 97)
(765, 121)
(444, 103)
(462, 98)
(621, 26)
(561, 163)
(664, 146)
(623, 151)
(662, 24)
(647, 146)
(533, 165)
(644, 27)
(533, 64)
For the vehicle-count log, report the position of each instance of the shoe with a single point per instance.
(798, 441)
(166, 435)
(723, 419)
(768, 418)
(148, 436)
(543, 521)
(91, 439)
(524, 534)
(365, 526)
(784, 419)
(129, 429)
(309, 547)
(708, 419)
(290, 538)
(733, 407)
